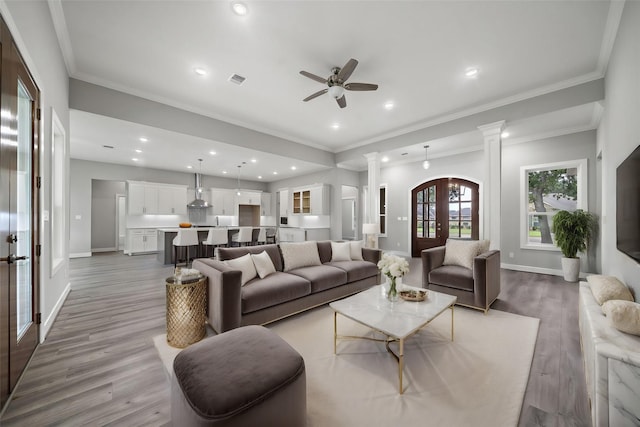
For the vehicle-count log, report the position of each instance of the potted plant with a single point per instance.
(573, 232)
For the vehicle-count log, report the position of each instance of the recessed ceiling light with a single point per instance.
(143, 139)
(200, 71)
(385, 159)
(389, 105)
(275, 172)
(224, 172)
(138, 151)
(213, 153)
(253, 160)
(134, 159)
(293, 168)
(504, 134)
(471, 72)
(259, 176)
(335, 126)
(189, 167)
(239, 8)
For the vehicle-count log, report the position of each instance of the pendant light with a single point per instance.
(238, 188)
(426, 164)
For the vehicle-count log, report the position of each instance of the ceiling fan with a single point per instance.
(336, 83)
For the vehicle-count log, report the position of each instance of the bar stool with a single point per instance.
(254, 236)
(185, 239)
(271, 235)
(243, 236)
(216, 237)
(262, 236)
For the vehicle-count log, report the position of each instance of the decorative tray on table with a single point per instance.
(413, 295)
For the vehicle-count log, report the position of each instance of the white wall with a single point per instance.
(619, 135)
(31, 26)
(575, 146)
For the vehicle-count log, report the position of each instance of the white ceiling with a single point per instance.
(416, 51)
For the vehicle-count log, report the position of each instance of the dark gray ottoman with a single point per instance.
(248, 376)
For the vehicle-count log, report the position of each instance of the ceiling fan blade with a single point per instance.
(315, 95)
(313, 76)
(342, 101)
(345, 72)
(360, 86)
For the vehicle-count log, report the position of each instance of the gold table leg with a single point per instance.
(401, 364)
(335, 331)
(452, 323)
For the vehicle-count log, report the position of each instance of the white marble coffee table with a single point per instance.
(397, 321)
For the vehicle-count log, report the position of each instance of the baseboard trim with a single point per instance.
(104, 250)
(45, 327)
(80, 255)
(540, 270)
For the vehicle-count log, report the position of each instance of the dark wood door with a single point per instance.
(443, 208)
(19, 219)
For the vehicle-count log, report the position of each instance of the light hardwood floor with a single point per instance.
(99, 366)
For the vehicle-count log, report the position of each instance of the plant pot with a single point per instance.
(570, 269)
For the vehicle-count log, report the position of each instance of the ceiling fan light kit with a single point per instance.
(336, 83)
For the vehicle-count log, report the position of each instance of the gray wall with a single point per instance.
(31, 26)
(104, 213)
(550, 150)
(83, 172)
(618, 136)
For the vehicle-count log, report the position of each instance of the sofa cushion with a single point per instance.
(299, 254)
(322, 277)
(272, 250)
(264, 265)
(461, 252)
(452, 276)
(356, 270)
(274, 289)
(340, 251)
(244, 264)
(624, 315)
(605, 288)
(324, 250)
(356, 250)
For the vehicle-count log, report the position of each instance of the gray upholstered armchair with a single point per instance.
(476, 287)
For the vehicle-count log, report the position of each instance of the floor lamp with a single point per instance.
(371, 230)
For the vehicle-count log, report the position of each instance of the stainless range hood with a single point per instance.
(198, 203)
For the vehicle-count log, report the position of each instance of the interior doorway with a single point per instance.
(349, 212)
(443, 208)
(19, 215)
(121, 220)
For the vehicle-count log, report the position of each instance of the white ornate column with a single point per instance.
(492, 181)
(373, 182)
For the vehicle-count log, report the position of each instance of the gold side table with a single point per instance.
(186, 311)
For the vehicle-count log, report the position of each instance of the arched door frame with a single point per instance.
(440, 176)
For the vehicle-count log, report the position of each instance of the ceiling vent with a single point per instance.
(237, 79)
(108, 146)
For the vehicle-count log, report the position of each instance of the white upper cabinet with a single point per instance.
(311, 200)
(223, 201)
(265, 204)
(284, 203)
(249, 197)
(145, 198)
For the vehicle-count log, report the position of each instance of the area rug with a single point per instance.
(479, 379)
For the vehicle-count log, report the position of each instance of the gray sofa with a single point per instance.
(280, 294)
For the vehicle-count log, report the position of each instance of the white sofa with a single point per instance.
(612, 366)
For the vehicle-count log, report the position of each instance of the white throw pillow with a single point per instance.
(299, 254)
(244, 264)
(483, 246)
(605, 288)
(460, 252)
(340, 251)
(264, 265)
(624, 315)
(356, 250)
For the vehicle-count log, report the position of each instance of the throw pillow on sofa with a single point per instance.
(356, 250)
(340, 251)
(605, 288)
(624, 315)
(299, 254)
(244, 264)
(460, 252)
(264, 265)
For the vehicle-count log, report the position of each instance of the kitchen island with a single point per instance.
(166, 236)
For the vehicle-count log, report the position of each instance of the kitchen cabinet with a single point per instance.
(312, 200)
(142, 240)
(249, 197)
(284, 202)
(145, 198)
(265, 204)
(223, 201)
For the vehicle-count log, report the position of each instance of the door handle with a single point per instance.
(13, 258)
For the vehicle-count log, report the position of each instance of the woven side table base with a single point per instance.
(186, 312)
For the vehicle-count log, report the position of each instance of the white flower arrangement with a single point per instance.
(393, 266)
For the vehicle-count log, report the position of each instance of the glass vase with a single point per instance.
(392, 294)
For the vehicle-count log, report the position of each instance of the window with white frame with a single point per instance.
(382, 200)
(547, 189)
